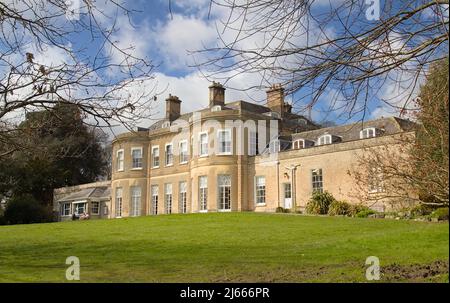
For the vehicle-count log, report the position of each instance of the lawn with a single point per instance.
(225, 247)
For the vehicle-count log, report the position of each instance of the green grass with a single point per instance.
(220, 247)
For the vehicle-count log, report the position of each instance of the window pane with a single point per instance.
(203, 192)
(183, 152)
(169, 155)
(224, 192)
(120, 160)
(155, 155)
(135, 201)
(95, 208)
(203, 144)
(260, 190)
(136, 155)
(118, 202)
(317, 183)
(287, 191)
(155, 190)
(168, 198)
(183, 197)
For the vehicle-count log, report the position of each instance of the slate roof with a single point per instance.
(235, 105)
(93, 193)
(350, 132)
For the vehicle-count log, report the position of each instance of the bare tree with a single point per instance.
(95, 71)
(310, 46)
(413, 167)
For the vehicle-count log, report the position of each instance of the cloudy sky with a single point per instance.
(166, 37)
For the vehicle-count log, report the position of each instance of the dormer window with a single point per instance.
(165, 124)
(216, 108)
(298, 144)
(274, 115)
(324, 139)
(366, 133)
(302, 121)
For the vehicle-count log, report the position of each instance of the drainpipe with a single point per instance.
(278, 183)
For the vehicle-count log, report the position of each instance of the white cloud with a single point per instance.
(179, 35)
(133, 40)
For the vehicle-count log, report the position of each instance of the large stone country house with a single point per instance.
(229, 156)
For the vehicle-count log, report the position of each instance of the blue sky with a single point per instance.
(164, 38)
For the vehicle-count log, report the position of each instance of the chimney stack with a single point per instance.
(173, 108)
(275, 99)
(216, 94)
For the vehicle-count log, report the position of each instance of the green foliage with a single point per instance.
(24, 209)
(339, 208)
(279, 209)
(357, 208)
(440, 213)
(420, 210)
(365, 213)
(2, 220)
(319, 203)
(430, 154)
(58, 150)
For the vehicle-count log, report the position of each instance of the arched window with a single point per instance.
(324, 139)
(369, 132)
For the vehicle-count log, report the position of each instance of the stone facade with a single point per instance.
(165, 169)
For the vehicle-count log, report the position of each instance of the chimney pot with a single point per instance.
(216, 94)
(275, 99)
(173, 108)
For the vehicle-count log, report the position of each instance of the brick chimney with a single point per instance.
(216, 94)
(275, 98)
(173, 108)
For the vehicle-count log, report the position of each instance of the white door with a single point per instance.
(287, 196)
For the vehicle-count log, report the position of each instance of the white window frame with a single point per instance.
(132, 158)
(316, 180)
(201, 152)
(296, 144)
(165, 155)
(257, 189)
(184, 153)
(75, 209)
(168, 202)
(203, 194)
(285, 187)
(324, 138)
(63, 209)
(365, 133)
(219, 197)
(120, 160)
(92, 208)
(135, 201)
(182, 190)
(154, 189)
(219, 142)
(153, 156)
(119, 201)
